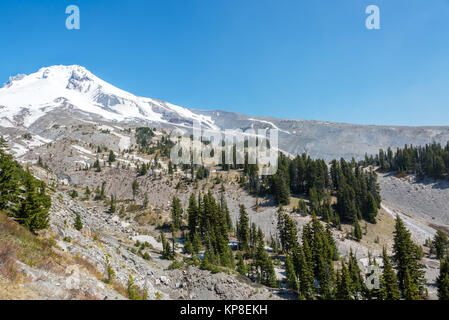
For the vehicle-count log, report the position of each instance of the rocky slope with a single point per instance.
(58, 117)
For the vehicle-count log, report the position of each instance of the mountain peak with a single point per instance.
(43, 91)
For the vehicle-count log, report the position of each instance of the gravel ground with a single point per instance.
(427, 200)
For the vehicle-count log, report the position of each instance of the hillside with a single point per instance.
(103, 155)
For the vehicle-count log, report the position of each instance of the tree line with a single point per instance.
(342, 191)
(431, 160)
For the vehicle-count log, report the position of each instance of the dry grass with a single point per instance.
(87, 266)
(377, 235)
(20, 244)
(10, 290)
(8, 266)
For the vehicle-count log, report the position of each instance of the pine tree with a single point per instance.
(167, 252)
(344, 284)
(410, 289)
(406, 258)
(280, 189)
(78, 223)
(188, 247)
(389, 284)
(135, 188)
(206, 262)
(289, 232)
(103, 190)
(97, 165)
(357, 231)
(440, 245)
(227, 214)
(192, 216)
(145, 201)
(291, 281)
(443, 280)
(74, 194)
(111, 157)
(176, 213)
(170, 168)
(33, 212)
(355, 274)
(241, 266)
(9, 179)
(112, 205)
(196, 243)
(87, 192)
(263, 263)
(322, 258)
(304, 271)
(243, 230)
(371, 209)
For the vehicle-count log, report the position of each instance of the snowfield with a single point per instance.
(26, 98)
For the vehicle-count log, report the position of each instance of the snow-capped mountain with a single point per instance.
(26, 98)
(66, 96)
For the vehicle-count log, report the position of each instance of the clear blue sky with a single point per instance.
(302, 59)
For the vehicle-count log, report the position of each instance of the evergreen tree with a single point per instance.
(176, 213)
(356, 277)
(410, 289)
(280, 189)
(111, 157)
(344, 284)
(291, 281)
(192, 215)
(78, 223)
(440, 244)
(288, 233)
(188, 247)
(304, 271)
(33, 212)
(357, 231)
(9, 179)
(196, 243)
(263, 263)
(371, 209)
(227, 214)
(112, 205)
(170, 168)
(406, 257)
(97, 165)
(167, 252)
(145, 201)
(243, 230)
(322, 256)
(443, 280)
(87, 192)
(389, 284)
(241, 266)
(135, 188)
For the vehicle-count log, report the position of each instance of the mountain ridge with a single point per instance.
(73, 91)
